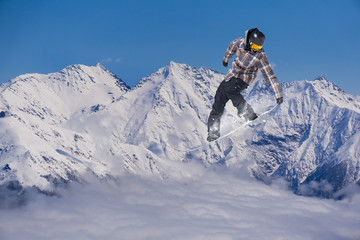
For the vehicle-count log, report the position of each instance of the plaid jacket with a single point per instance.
(246, 65)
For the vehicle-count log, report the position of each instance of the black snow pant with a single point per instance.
(227, 90)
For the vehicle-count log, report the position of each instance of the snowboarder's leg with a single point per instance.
(249, 114)
(244, 109)
(216, 113)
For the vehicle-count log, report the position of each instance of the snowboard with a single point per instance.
(204, 145)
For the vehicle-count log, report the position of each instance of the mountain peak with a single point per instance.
(76, 67)
(85, 68)
(174, 64)
(172, 67)
(331, 92)
(178, 66)
(322, 83)
(321, 78)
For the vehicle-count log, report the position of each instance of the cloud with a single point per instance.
(214, 203)
(106, 60)
(110, 60)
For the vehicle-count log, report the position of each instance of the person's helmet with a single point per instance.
(256, 39)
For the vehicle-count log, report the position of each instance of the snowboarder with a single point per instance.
(250, 57)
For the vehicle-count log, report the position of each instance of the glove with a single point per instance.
(225, 64)
(280, 100)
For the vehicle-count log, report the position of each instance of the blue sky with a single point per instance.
(305, 39)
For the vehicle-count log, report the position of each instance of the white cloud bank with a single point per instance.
(211, 204)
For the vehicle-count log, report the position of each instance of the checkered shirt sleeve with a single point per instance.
(231, 50)
(269, 76)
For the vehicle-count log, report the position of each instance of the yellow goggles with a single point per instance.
(255, 47)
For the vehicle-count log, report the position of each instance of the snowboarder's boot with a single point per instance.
(213, 130)
(213, 135)
(250, 116)
(247, 113)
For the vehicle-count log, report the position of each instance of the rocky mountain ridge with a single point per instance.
(57, 127)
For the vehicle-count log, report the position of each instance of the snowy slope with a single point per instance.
(35, 148)
(311, 132)
(59, 126)
(160, 117)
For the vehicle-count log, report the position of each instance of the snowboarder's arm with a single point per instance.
(270, 77)
(230, 51)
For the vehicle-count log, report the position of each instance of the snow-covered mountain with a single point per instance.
(314, 135)
(55, 128)
(36, 149)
